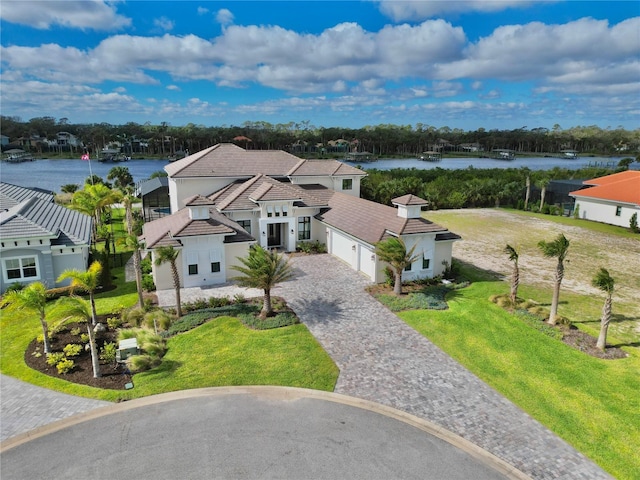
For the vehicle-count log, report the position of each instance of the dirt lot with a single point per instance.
(485, 232)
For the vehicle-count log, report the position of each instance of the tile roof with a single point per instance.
(372, 222)
(409, 199)
(35, 217)
(623, 187)
(151, 185)
(244, 195)
(167, 231)
(229, 160)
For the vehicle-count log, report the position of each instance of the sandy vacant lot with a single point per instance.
(485, 233)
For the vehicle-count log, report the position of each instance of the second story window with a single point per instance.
(347, 184)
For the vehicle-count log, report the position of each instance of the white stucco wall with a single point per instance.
(161, 274)
(605, 211)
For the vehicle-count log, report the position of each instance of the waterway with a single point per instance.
(53, 173)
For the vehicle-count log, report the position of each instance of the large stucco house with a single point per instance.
(225, 199)
(610, 199)
(38, 238)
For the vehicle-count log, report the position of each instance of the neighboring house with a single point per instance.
(611, 199)
(225, 199)
(38, 238)
(154, 194)
(4, 140)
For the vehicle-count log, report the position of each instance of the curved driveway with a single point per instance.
(382, 359)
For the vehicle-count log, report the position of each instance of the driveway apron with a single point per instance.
(382, 359)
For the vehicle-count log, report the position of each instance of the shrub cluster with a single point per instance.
(61, 362)
(196, 318)
(284, 319)
(311, 247)
(203, 303)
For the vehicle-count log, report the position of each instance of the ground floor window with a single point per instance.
(304, 228)
(618, 211)
(425, 263)
(21, 268)
(193, 269)
(215, 267)
(408, 268)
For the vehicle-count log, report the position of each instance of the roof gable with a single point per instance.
(622, 187)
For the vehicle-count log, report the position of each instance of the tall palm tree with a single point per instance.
(88, 281)
(121, 177)
(557, 248)
(132, 241)
(542, 183)
(79, 308)
(263, 269)
(170, 255)
(32, 298)
(394, 252)
(606, 283)
(515, 274)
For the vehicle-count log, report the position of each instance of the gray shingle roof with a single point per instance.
(11, 195)
(35, 217)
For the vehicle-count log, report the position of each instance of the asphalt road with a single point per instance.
(250, 433)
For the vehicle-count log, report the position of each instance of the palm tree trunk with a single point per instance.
(604, 324)
(267, 310)
(176, 285)
(136, 266)
(45, 332)
(95, 360)
(397, 285)
(556, 294)
(94, 315)
(515, 282)
(543, 193)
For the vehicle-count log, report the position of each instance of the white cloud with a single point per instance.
(414, 10)
(175, 88)
(81, 14)
(202, 11)
(164, 24)
(224, 17)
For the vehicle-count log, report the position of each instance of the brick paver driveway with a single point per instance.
(384, 360)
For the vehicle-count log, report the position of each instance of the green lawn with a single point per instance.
(593, 404)
(222, 352)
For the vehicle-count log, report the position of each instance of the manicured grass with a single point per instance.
(222, 352)
(593, 404)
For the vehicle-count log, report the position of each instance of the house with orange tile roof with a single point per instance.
(612, 199)
(225, 199)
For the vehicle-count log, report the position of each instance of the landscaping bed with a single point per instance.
(113, 377)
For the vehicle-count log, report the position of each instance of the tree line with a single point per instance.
(303, 138)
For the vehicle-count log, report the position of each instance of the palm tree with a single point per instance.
(515, 274)
(557, 248)
(79, 308)
(542, 183)
(32, 298)
(132, 241)
(394, 252)
(94, 200)
(263, 269)
(170, 255)
(88, 281)
(606, 283)
(121, 177)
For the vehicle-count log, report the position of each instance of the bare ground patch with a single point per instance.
(485, 232)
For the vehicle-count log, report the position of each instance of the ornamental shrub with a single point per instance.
(72, 349)
(108, 352)
(55, 358)
(65, 366)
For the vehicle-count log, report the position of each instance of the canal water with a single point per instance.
(52, 174)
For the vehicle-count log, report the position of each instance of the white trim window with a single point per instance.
(21, 269)
(304, 228)
(246, 224)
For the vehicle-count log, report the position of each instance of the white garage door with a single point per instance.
(342, 247)
(367, 262)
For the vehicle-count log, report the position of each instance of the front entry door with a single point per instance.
(274, 238)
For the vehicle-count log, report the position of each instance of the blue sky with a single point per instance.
(462, 64)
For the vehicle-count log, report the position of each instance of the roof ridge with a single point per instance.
(195, 158)
(296, 167)
(239, 191)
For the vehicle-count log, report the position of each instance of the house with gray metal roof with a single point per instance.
(39, 239)
(225, 199)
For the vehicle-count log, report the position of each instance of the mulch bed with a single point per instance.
(113, 376)
(586, 343)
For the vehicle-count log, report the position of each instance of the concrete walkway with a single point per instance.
(24, 407)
